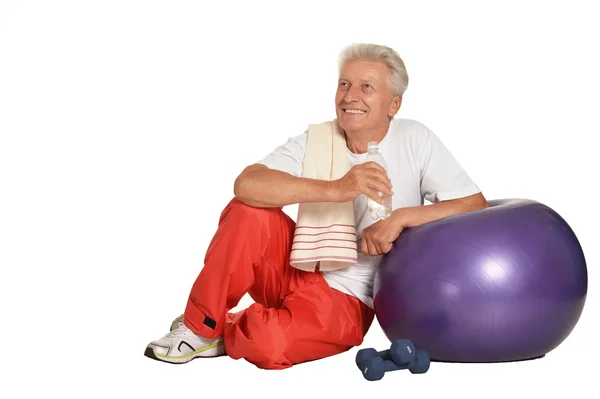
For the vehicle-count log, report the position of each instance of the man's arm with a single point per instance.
(418, 215)
(378, 238)
(262, 187)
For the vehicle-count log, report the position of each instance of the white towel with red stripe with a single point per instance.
(325, 235)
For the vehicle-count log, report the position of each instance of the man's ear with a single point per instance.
(395, 106)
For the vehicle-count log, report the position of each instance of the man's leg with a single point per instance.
(249, 253)
(314, 321)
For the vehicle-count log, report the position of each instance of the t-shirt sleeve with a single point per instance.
(442, 177)
(288, 157)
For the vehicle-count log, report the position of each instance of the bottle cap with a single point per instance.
(371, 145)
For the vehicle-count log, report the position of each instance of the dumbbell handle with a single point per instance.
(404, 366)
(374, 369)
(391, 366)
(385, 355)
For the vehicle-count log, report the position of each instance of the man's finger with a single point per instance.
(383, 178)
(373, 194)
(375, 165)
(380, 186)
(372, 248)
(385, 248)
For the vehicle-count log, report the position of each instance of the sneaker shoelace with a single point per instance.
(181, 330)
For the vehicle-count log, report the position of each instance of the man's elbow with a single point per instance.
(477, 202)
(470, 203)
(242, 187)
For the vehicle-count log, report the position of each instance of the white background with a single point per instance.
(123, 125)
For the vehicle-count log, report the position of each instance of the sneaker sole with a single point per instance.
(214, 350)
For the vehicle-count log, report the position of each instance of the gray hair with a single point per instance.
(398, 77)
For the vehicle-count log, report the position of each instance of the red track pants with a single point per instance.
(297, 317)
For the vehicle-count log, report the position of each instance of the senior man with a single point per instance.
(301, 315)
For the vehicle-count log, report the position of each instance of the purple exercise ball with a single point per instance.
(505, 283)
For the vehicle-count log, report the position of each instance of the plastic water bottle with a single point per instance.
(378, 211)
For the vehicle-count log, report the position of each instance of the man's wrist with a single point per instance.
(400, 219)
(331, 189)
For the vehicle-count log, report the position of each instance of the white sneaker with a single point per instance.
(181, 345)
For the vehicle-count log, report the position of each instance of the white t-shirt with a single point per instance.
(419, 166)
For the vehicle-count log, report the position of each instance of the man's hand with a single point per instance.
(368, 178)
(377, 239)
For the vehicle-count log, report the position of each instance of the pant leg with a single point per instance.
(247, 254)
(314, 321)
(297, 317)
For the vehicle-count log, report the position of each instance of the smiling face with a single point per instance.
(364, 103)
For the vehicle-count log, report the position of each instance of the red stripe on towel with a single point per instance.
(323, 239)
(325, 227)
(327, 232)
(321, 257)
(324, 246)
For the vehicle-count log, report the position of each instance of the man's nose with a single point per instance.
(352, 95)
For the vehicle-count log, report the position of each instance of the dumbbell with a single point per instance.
(374, 367)
(401, 351)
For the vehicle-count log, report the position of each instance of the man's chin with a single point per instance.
(349, 126)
